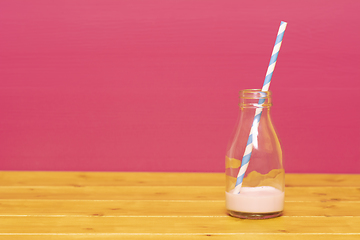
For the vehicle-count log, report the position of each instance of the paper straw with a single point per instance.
(249, 146)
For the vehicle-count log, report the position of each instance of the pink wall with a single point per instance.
(137, 85)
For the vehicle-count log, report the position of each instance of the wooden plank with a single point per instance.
(322, 194)
(111, 208)
(325, 180)
(159, 236)
(326, 208)
(114, 193)
(168, 193)
(205, 225)
(12, 178)
(58, 208)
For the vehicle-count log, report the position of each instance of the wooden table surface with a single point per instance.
(83, 205)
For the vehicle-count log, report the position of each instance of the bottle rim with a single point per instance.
(255, 98)
(254, 94)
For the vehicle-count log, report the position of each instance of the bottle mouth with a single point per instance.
(255, 98)
(254, 94)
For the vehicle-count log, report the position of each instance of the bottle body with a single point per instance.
(261, 185)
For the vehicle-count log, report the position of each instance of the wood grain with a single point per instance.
(79, 179)
(121, 208)
(299, 194)
(74, 205)
(232, 236)
(205, 225)
(33, 178)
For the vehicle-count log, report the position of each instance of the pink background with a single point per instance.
(151, 85)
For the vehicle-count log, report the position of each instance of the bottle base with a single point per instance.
(247, 215)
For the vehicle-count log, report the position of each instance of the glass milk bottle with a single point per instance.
(258, 191)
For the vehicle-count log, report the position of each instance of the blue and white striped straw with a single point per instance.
(253, 132)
